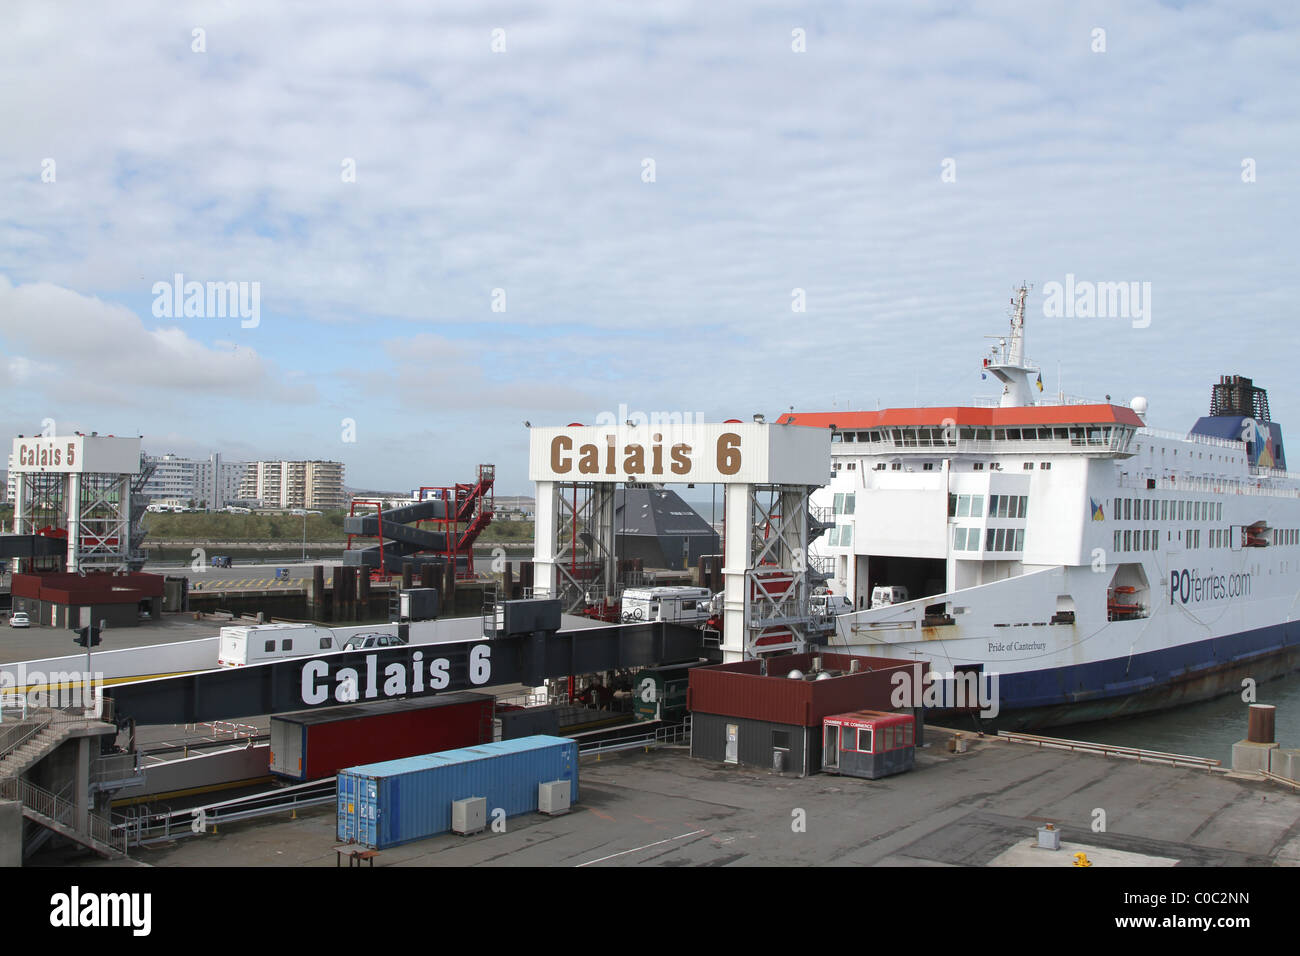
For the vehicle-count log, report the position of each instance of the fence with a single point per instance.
(33, 720)
(660, 736)
(224, 728)
(63, 812)
(116, 768)
(141, 826)
(1108, 750)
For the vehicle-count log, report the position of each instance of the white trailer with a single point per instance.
(257, 643)
(683, 605)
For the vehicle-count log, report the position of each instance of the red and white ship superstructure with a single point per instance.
(1096, 565)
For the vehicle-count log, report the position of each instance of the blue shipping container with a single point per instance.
(397, 801)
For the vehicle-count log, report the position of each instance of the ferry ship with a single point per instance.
(1097, 566)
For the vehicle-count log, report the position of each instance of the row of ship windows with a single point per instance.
(929, 466)
(947, 437)
(1286, 536)
(1214, 537)
(1146, 509)
(995, 539)
(1000, 506)
(1150, 540)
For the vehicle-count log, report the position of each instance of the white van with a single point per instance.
(886, 595)
(826, 605)
(258, 643)
(684, 605)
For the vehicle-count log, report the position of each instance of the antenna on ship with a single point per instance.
(1016, 354)
(1008, 364)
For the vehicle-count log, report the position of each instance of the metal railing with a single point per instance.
(1194, 439)
(1277, 778)
(995, 401)
(982, 446)
(11, 738)
(117, 767)
(1109, 750)
(224, 728)
(63, 812)
(823, 564)
(1211, 484)
(525, 700)
(35, 720)
(142, 827)
(672, 734)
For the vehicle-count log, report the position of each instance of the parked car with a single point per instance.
(359, 642)
(19, 619)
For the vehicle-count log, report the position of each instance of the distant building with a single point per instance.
(295, 484)
(515, 507)
(210, 483)
(657, 527)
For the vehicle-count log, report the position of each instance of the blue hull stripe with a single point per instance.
(1185, 673)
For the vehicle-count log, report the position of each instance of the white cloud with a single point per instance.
(522, 171)
(77, 346)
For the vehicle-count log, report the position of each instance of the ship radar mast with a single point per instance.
(1007, 361)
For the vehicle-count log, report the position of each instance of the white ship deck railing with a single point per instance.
(987, 401)
(1269, 473)
(1213, 485)
(1194, 439)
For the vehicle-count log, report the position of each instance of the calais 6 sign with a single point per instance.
(636, 459)
(722, 452)
(327, 681)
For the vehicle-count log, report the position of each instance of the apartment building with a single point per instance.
(295, 484)
(210, 483)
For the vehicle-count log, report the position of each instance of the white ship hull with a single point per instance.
(1096, 566)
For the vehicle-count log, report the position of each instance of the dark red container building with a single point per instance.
(754, 713)
(57, 598)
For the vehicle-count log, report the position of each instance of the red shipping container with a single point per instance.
(314, 744)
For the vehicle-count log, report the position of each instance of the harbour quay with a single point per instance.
(982, 807)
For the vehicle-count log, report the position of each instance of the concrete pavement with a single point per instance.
(666, 809)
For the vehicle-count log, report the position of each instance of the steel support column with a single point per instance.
(72, 500)
(574, 554)
(765, 606)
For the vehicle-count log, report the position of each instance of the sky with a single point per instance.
(456, 218)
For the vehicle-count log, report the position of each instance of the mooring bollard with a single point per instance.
(1254, 754)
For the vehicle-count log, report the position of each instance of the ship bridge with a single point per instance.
(1097, 430)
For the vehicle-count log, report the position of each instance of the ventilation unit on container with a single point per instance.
(553, 797)
(469, 815)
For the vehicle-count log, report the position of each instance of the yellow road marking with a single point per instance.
(192, 791)
(107, 682)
